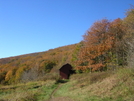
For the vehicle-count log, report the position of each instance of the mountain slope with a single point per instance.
(16, 69)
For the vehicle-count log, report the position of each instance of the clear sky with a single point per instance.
(28, 26)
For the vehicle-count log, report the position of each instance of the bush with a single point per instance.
(49, 65)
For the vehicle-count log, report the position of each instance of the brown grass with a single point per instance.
(118, 85)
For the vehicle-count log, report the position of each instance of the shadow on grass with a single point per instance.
(61, 81)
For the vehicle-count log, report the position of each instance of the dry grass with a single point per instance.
(89, 78)
(32, 91)
(102, 86)
(50, 76)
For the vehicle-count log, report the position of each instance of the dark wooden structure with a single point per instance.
(65, 71)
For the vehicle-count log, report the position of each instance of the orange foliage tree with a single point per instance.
(99, 42)
(10, 76)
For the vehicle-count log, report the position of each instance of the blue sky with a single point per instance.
(28, 26)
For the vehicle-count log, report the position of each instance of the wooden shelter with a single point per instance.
(65, 71)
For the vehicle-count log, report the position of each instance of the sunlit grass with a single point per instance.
(32, 91)
(101, 86)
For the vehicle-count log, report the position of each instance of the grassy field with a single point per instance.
(99, 86)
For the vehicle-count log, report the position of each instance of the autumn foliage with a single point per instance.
(34, 66)
(101, 45)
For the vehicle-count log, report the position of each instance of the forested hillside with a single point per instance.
(33, 66)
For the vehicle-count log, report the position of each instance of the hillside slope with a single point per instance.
(21, 68)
